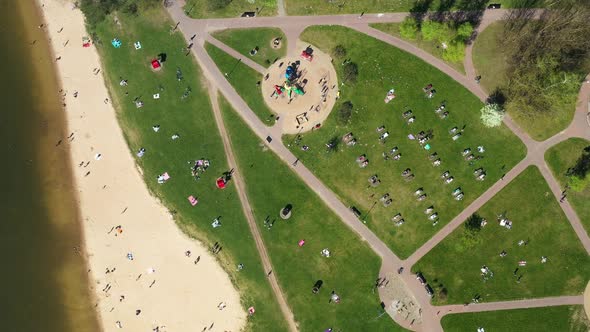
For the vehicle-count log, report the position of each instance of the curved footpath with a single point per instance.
(167, 287)
(293, 26)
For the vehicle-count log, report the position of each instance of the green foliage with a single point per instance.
(582, 165)
(454, 52)
(409, 28)
(96, 11)
(217, 4)
(473, 223)
(345, 113)
(464, 31)
(351, 72)
(431, 30)
(577, 183)
(339, 51)
(492, 115)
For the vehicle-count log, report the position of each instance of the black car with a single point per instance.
(421, 278)
(429, 290)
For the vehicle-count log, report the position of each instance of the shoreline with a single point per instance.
(73, 182)
(110, 191)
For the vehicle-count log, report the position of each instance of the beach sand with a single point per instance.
(170, 290)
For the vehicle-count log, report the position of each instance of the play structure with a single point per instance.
(301, 93)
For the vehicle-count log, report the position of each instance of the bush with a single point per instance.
(464, 31)
(492, 115)
(351, 72)
(217, 4)
(577, 183)
(473, 223)
(344, 113)
(455, 52)
(409, 28)
(339, 51)
(96, 11)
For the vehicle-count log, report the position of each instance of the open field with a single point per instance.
(192, 120)
(201, 8)
(431, 47)
(383, 67)
(244, 40)
(244, 79)
(554, 319)
(561, 157)
(455, 263)
(351, 269)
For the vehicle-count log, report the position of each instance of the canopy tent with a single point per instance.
(156, 64)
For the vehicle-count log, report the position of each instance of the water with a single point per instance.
(44, 281)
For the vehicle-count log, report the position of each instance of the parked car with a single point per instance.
(421, 278)
(429, 290)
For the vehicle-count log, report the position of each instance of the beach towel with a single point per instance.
(166, 176)
(301, 243)
(192, 200)
(137, 45)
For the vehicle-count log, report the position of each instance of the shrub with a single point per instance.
(339, 51)
(577, 183)
(455, 52)
(492, 115)
(464, 31)
(351, 72)
(409, 28)
(473, 223)
(345, 112)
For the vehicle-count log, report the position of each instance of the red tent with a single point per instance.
(156, 64)
(220, 183)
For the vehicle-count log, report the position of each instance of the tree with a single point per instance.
(464, 31)
(409, 28)
(217, 4)
(351, 72)
(345, 113)
(431, 30)
(492, 115)
(582, 166)
(455, 52)
(473, 223)
(339, 51)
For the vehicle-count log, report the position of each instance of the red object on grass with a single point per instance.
(156, 64)
(220, 183)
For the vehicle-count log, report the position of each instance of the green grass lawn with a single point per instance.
(315, 7)
(431, 47)
(382, 67)
(491, 63)
(554, 319)
(490, 60)
(243, 79)
(352, 267)
(244, 40)
(193, 120)
(455, 263)
(200, 8)
(561, 157)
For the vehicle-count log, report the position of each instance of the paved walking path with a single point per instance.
(244, 59)
(240, 188)
(293, 26)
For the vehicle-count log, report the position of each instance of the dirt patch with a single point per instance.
(317, 82)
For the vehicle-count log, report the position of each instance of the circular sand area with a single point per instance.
(306, 99)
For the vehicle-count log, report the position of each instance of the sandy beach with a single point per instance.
(141, 275)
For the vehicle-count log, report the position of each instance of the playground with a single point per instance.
(301, 89)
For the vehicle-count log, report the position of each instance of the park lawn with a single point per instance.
(454, 264)
(560, 158)
(489, 59)
(244, 40)
(382, 67)
(315, 7)
(243, 79)
(200, 9)
(554, 319)
(350, 271)
(193, 120)
(431, 47)
(490, 62)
